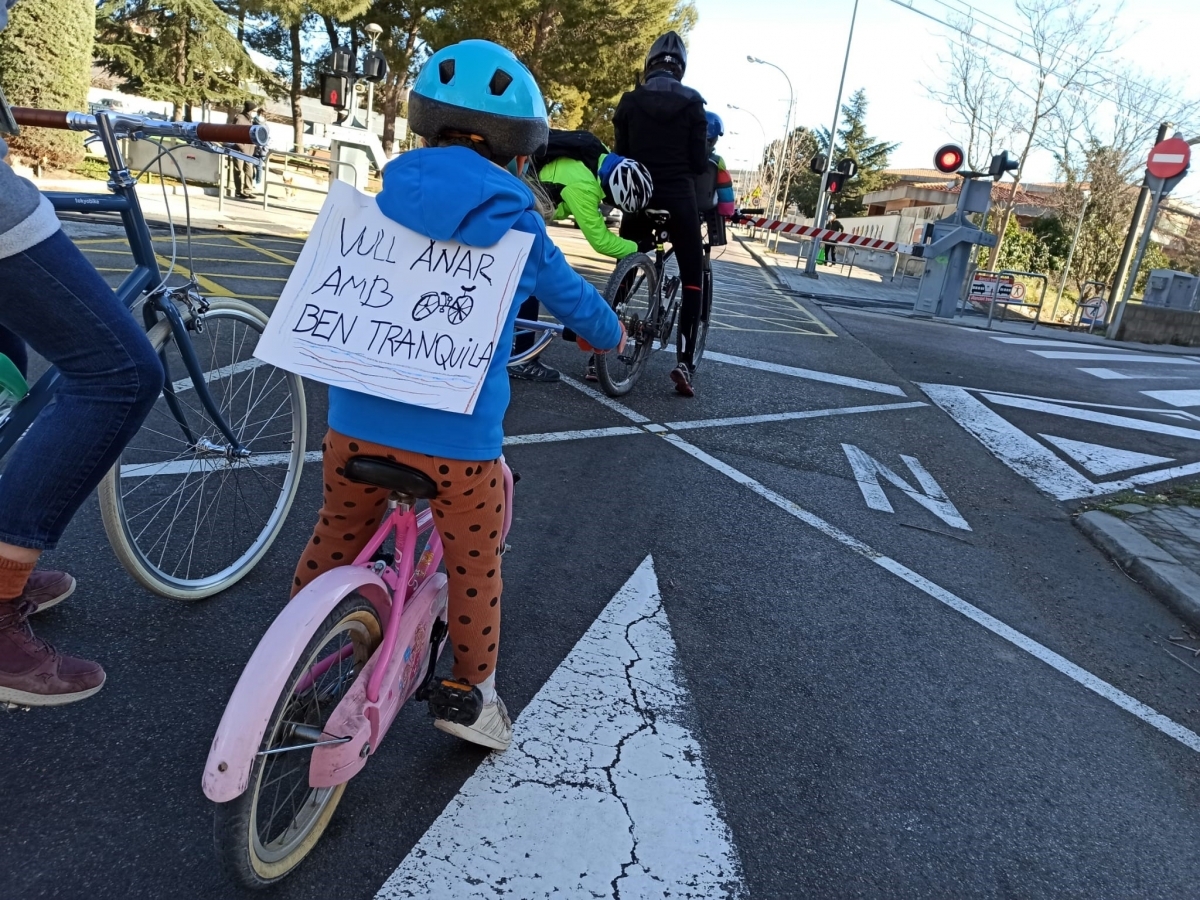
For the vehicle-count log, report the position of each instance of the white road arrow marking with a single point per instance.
(603, 792)
(868, 470)
(1101, 460)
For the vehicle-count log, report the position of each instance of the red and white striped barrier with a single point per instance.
(824, 235)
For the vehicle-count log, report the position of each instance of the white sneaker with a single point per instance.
(492, 729)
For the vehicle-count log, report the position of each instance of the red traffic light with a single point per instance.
(836, 182)
(949, 159)
(334, 89)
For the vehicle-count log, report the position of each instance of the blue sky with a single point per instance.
(895, 52)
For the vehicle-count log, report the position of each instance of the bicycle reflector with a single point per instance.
(949, 159)
(335, 90)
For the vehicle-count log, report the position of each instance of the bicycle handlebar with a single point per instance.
(138, 127)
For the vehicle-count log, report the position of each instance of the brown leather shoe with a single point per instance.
(32, 672)
(47, 588)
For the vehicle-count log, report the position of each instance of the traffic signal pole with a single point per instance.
(810, 265)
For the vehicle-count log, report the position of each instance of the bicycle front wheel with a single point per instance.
(186, 517)
(264, 834)
(632, 292)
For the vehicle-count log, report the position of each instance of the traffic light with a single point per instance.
(847, 167)
(342, 62)
(1002, 162)
(949, 159)
(836, 181)
(335, 90)
(374, 67)
(816, 165)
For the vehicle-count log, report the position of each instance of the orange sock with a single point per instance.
(13, 576)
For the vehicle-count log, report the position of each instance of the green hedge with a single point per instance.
(45, 62)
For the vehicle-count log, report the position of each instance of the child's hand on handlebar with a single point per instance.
(588, 348)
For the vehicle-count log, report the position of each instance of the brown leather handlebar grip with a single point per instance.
(40, 118)
(225, 134)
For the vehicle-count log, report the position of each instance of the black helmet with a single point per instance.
(667, 51)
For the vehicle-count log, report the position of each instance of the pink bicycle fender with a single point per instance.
(240, 734)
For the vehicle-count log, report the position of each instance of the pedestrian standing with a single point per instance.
(244, 172)
(831, 248)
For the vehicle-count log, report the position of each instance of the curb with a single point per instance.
(1156, 569)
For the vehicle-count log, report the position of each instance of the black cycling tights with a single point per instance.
(687, 241)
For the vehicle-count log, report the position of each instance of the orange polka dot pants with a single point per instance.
(469, 516)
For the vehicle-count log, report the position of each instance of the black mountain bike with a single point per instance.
(646, 292)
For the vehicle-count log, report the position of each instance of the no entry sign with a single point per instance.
(1169, 158)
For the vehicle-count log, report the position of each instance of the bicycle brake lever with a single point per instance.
(226, 151)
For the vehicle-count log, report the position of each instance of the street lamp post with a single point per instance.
(787, 135)
(810, 266)
(758, 168)
(1087, 198)
(373, 31)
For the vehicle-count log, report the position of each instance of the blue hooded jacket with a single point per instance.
(453, 193)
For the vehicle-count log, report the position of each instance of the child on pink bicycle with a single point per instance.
(480, 111)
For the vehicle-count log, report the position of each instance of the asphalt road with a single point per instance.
(885, 703)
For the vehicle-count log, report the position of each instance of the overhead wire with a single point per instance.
(973, 13)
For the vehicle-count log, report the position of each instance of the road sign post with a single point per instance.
(1166, 167)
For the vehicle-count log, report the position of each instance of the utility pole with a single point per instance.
(1115, 292)
(810, 265)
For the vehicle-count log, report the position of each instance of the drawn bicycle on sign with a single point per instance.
(456, 308)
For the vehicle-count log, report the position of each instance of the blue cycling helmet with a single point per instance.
(477, 87)
(716, 127)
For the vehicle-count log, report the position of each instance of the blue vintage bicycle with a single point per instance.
(202, 491)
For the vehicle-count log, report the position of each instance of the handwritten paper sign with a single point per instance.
(377, 308)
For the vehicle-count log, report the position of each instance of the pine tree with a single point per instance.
(180, 51)
(45, 62)
(855, 143)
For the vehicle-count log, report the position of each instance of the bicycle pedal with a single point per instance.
(455, 701)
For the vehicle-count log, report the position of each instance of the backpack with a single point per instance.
(579, 145)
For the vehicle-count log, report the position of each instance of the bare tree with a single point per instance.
(975, 103)
(1063, 43)
(1099, 140)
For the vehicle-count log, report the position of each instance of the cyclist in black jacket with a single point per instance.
(661, 124)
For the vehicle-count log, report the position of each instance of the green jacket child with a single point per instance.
(579, 173)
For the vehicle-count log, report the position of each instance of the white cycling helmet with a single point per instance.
(627, 182)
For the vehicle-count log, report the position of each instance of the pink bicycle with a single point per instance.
(326, 682)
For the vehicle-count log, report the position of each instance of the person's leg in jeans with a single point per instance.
(52, 298)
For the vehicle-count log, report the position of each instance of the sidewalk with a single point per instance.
(862, 287)
(863, 292)
(241, 216)
(1158, 546)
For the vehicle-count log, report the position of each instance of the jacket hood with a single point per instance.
(453, 193)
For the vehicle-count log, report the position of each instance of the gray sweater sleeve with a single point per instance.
(26, 217)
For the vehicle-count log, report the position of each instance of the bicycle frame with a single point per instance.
(545, 331)
(410, 597)
(145, 277)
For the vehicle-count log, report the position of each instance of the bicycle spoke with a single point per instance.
(190, 513)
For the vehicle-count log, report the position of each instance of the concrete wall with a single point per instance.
(1155, 325)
